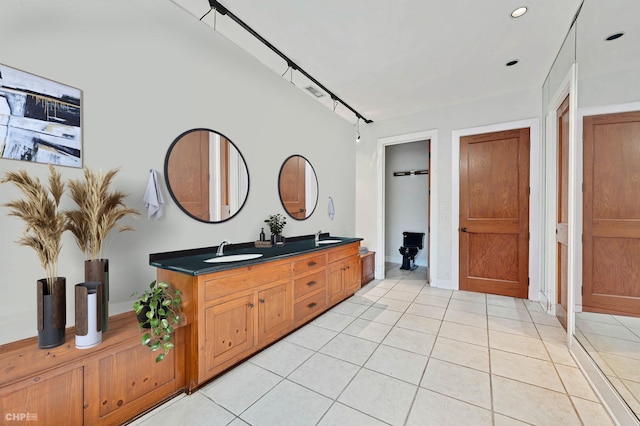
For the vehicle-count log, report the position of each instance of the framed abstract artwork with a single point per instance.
(40, 119)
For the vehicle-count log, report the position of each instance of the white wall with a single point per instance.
(406, 198)
(148, 71)
(504, 108)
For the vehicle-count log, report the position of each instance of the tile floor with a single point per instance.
(402, 353)
(613, 341)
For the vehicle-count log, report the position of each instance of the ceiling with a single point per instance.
(388, 59)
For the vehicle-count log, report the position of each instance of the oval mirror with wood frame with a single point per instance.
(207, 175)
(298, 187)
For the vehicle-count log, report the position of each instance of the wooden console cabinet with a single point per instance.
(234, 313)
(368, 266)
(109, 384)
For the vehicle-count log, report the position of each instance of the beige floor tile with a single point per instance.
(429, 299)
(518, 344)
(507, 325)
(435, 291)
(401, 295)
(524, 402)
(617, 331)
(464, 333)
(467, 318)
(533, 306)
(410, 286)
(469, 296)
(502, 420)
(350, 348)
(505, 301)
(623, 367)
(387, 283)
(430, 311)
(560, 354)
(392, 304)
(349, 308)
(592, 413)
(398, 363)
(456, 381)
(364, 299)
(575, 383)
(545, 319)
(384, 316)
(341, 415)
(324, 374)
(409, 340)
(462, 353)
(433, 409)
(511, 313)
(333, 321)
(529, 370)
(372, 291)
(282, 358)
(612, 345)
(419, 323)
(311, 337)
(379, 396)
(191, 410)
(369, 330)
(463, 305)
(288, 404)
(238, 389)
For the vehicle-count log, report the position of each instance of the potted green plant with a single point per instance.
(98, 212)
(158, 309)
(45, 223)
(276, 224)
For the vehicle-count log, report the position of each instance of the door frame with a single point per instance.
(568, 87)
(432, 135)
(534, 199)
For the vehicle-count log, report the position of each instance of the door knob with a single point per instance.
(463, 229)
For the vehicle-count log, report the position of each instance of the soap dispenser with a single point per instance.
(262, 236)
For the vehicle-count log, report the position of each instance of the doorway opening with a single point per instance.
(415, 191)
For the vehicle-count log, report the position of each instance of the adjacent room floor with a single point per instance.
(402, 353)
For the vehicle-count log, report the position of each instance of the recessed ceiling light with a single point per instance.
(519, 12)
(512, 63)
(614, 36)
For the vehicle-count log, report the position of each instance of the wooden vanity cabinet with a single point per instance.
(234, 313)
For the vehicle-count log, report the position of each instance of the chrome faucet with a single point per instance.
(221, 248)
(318, 236)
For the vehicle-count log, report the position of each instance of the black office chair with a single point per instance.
(411, 244)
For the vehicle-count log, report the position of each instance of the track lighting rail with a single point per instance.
(224, 11)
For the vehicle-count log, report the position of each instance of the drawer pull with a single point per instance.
(312, 305)
(312, 263)
(312, 283)
(251, 305)
(261, 300)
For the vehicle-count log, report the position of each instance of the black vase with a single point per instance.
(98, 270)
(142, 317)
(52, 312)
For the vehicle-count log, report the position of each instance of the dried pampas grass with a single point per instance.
(44, 222)
(98, 213)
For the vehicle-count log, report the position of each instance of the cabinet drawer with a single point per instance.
(309, 284)
(340, 253)
(222, 284)
(310, 306)
(309, 264)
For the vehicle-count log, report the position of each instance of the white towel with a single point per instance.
(153, 197)
(331, 209)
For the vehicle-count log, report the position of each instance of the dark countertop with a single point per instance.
(192, 261)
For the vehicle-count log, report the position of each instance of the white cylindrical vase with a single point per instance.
(88, 314)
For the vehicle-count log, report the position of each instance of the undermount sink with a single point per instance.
(234, 258)
(329, 241)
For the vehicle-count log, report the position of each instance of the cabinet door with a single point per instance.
(275, 311)
(335, 289)
(352, 275)
(228, 330)
(52, 398)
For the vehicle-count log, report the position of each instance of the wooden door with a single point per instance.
(229, 330)
(562, 225)
(275, 311)
(188, 172)
(494, 213)
(292, 186)
(611, 247)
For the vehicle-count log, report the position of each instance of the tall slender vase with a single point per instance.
(88, 314)
(98, 270)
(52, 312)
